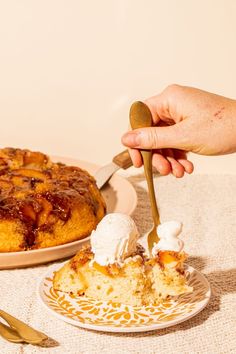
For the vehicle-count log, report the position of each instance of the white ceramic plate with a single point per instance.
(114, 317)
(120, 196)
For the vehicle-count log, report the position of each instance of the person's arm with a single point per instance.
(185, 119)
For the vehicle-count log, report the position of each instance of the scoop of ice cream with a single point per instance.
(114, 239)
(168, 233)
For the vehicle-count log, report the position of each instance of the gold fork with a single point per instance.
(141, 117)
(19, 331)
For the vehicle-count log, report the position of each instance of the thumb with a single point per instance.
(154, 138)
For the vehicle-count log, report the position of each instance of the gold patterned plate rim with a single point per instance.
(112, 317)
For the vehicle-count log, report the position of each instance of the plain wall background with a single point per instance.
(70, 69)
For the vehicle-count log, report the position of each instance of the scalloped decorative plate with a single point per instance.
(114, 317)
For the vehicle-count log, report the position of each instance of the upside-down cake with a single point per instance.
(44, 204)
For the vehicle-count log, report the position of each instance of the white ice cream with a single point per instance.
(114, 239)
(168, 233)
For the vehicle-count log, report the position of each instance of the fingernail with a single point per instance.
(131, 139)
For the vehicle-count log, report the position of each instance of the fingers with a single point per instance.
(176, 168)
(181, 157)
(161, 164)
(136, 157)
(187, 165)
(155, 137)
(166, 161)
(172, 161)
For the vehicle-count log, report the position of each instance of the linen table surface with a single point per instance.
(206, 204)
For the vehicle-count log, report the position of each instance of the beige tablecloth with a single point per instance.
(207, 207)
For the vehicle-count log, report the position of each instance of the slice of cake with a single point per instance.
(112, 268)
(116, 268)
(82, 276)
(166, 267)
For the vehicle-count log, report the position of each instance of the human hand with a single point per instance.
(185, 120)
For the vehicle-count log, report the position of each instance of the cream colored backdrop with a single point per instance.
(70, 69)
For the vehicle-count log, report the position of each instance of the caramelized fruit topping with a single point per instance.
(37, 191)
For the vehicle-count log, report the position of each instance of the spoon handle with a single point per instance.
(147, 162)
(141, 117)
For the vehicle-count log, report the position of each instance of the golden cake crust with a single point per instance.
(44, 204)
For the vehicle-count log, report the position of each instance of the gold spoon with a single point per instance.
(141, 117)
(10, 334)
(25, 332)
